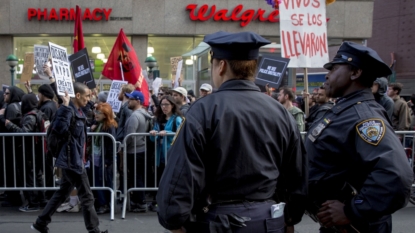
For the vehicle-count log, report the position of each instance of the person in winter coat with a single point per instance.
(102, 153)
(31, 159)
(379, 89)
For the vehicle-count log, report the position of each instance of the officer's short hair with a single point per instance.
(244, 69)
(396, 87)
(289, 92)
(366, 79)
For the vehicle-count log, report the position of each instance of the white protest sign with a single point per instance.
(156, 85)
(112, 99)
(303, 28)
(178, 73)
(41, 58)
(61, 69)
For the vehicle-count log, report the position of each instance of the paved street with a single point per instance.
(13, 221)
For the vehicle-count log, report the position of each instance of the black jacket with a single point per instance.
(316, 112)
(355, 143)
(49, 107)
(232, 150)
(13, 110)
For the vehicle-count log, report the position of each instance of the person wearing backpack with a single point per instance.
(30, 123)
(138, 122)
(168, 119)
(71, 120)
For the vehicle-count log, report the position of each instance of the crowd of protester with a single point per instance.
(166, 112)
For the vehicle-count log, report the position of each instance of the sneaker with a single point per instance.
(39, 228)
(103, 210)
(29, 208)
(65, 206)
(74, 209)
(139, 208)
(153, 207)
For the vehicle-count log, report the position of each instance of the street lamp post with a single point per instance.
(12, 62)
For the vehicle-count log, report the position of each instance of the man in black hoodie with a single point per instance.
(12, 112)
(379, 88)
(29, 125)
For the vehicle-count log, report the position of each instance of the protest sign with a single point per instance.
(29, 62)
(112, 98)
(41, 58)
(303, 29)
(61, 69)
(156, 85)
(81, 68)
(178, 73)
(271, 71)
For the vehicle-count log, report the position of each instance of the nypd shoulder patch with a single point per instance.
(371, 130)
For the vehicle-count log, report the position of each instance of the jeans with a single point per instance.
(138, 179)
(71, 179)
(103, 195)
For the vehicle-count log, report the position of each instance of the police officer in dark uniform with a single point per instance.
(237, 153)
(359, 174)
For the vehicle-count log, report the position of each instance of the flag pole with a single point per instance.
(122, 73)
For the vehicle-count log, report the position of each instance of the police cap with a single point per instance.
(235, 46)
(360, 57)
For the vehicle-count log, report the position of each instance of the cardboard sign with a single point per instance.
(81, 68)
(29, 62)
(61, 69)
(303, 29)
(178, 73)
(112, 99)
(41, 58)
(271, 71)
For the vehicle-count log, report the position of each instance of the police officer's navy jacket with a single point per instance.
(235, 144)
(74, 160)
(355, 143)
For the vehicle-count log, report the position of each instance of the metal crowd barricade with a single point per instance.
(126, 194)
(14, 143)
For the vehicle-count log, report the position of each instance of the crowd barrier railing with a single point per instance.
(24, 153)
(144, 163)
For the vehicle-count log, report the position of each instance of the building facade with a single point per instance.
(393, 38)
(161, 28)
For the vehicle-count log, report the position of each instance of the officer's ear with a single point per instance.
(356, 73)
(222, 67)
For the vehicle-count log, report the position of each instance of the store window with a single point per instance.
(164, 48)
(99, 48)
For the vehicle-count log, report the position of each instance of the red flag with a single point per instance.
(78, 42)
(124, 52)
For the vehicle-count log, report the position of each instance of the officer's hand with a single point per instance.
(162, 133)
(331, 214)
(289, 229)
(153, 133)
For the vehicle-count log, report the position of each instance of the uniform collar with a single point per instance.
(352, 99)
(237, 84)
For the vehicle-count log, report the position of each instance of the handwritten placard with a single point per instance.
(112, 99)
(303, 28)
(29, 62)
(41, 58)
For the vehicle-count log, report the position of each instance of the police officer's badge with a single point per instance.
(371, 130)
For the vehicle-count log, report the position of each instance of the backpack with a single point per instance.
(42, 125)
(56, 141)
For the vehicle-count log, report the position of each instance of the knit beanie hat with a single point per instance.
(46, 90)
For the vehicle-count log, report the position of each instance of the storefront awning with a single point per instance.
(198, 50)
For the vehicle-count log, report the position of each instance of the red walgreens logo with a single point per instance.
(245, 17)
